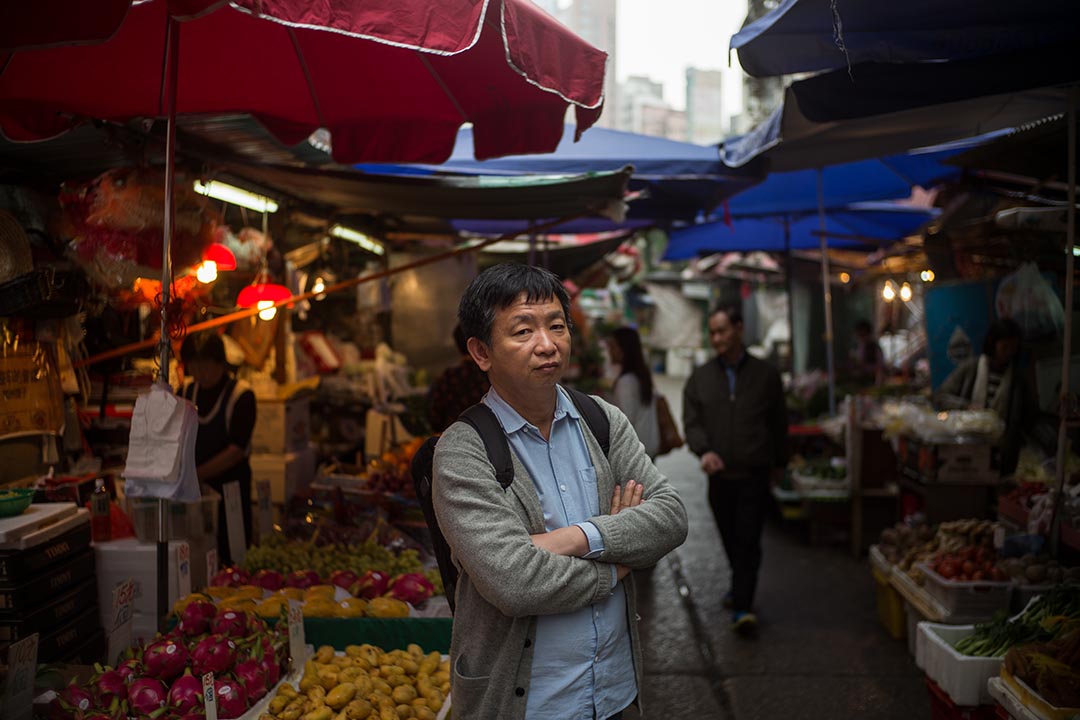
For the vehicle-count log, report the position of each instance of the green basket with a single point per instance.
(14, 502)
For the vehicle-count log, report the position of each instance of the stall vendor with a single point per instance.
(226, 420)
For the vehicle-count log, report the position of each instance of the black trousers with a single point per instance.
(739, 505)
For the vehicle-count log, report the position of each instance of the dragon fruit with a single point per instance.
(251, 675)
(146, 696)
(130, 668)
(110, 688)
(343, 578)
(271, 670)
(371, 584)
(412, 588)
(165, 659)
(231, 577)
(269, 579)
(196, 617)
(194, 714)
(76, 699)
(215, 653)
(231, 699)
(303, 579)
(233, 623)
(185, 695)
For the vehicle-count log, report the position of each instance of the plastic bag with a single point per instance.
(1026, 297)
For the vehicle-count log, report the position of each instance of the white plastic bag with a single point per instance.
(1026, 297)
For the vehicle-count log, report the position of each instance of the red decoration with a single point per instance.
(221, 256)
(252, 295)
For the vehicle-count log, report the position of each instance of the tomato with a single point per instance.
(948, 570)
(979, 576)
(968, 567)
(998, 575)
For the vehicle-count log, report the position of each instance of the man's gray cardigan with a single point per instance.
(506, 581)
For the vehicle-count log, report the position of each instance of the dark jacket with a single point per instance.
(747, 429)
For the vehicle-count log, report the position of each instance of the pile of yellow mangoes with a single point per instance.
(318, 602)
(365, 682)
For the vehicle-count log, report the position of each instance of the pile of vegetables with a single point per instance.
(365, 682)
(906, 546)
(969, 564)
(1037, 570)
(1041, 621)
(162, 680)
(1051, 663)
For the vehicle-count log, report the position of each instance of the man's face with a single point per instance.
(207, 372)
(530, 347)
(723, 335)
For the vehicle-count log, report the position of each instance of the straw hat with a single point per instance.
(15, 257)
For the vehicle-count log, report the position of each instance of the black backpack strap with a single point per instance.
(421, 475)
(483, 420)
(595, 417)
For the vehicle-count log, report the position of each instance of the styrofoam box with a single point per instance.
(971, 600)
(281, 426)
(962, 677)
(120, 560)
(287, 474)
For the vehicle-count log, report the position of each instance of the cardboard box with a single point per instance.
(948, 464)
(287, 474)
(128, 559)
(281, 426)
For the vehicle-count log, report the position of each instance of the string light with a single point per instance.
(845, 278)
(905, 292)
(888, 293)
(927, 276)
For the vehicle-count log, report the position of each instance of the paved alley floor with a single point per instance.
(820, 652)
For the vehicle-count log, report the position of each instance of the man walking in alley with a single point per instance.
(735, 420)
(545, 623)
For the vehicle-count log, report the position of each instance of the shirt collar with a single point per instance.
(512, 421)
(738, 363)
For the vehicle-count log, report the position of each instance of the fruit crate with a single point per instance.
(942, 708)
(970, 600)
(961, 677)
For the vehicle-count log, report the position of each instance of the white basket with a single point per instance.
(962, 677)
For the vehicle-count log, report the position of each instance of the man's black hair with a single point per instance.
(1003, 329)
(733, 312)
(204, 346)
(460, 340)
(498, 287)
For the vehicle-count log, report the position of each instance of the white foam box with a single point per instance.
(281, 426)
(120, 560)
(287, 474)
(963, 678)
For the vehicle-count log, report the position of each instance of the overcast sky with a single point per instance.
(660, 38)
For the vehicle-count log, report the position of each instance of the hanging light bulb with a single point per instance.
(888, 293)
(927, 276)
(845, 278)
(267, 311)
(317, 287)
(905, 292)
(206, 272)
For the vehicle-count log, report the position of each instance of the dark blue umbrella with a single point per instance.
(813, 35)
(856, 226)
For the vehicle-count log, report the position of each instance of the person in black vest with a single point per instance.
(735, 418)
(226, 419)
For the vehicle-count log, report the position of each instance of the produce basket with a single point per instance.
(972, 600)
(14, 502)
(1033, 701)
(890, 605)
(961, 677)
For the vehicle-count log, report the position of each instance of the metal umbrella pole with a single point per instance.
(1066, 352)
(826, 286)
(172, 52)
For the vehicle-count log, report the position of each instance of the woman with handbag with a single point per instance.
(633, 392)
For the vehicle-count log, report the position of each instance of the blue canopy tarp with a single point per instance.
(680, 179)
(882, 109)
(806, 35)
(862, 225)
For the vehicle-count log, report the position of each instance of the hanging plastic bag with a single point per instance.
(1026, 297)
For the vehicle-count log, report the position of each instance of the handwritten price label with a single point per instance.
(123, 600)
(209, 696)
(22, 662)
(211, 564)
(297, 642)
(183, 569)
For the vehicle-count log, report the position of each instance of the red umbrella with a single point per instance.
(392, 80)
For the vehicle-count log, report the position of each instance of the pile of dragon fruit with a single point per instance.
(413, 588)
(163, 680)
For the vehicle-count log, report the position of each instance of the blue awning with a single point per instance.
(813, 35)
(681, 179)
(871, 224)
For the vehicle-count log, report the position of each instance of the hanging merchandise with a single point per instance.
(1026, 297)
(161, 448)
(116, 223)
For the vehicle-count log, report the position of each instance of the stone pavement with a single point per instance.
(820, 652)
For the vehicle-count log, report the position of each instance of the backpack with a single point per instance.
(483, 420)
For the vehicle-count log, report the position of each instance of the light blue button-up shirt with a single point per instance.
(583, 668)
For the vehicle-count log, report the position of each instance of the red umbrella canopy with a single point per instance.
(392, 80)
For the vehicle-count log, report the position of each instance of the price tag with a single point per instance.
(297, 643)
(183, 568)
(999, 537)
(211, 564)
(234, 522)
(123, 599)
(22, 665)
(266, 513)
(209, 696)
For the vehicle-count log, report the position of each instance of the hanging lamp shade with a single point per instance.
(252, 295)
(221, 256)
